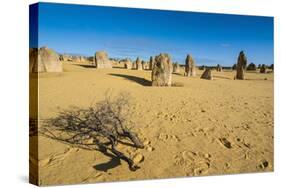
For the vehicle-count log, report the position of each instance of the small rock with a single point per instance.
(147, 142)
(264, 164)
(227, 165)
(89, 141)
(163, 136)
(149, 148)
(207, 155)
(138, 158)
(225, 143)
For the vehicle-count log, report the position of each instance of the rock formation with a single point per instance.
(82, 59)
(207, 74)
(252, 67)
(138, 64)
(128, 64)
(76, 59)
(162, 71)
(176, 68)
(151, 63)
(263, 68)
(203, 67)
(241, 66)
(61, 58)
(101, 60)
(234, 67)
(190, 66)
(219, 68)
(65, 57)
(144, 65)
(44, 60)
(114, 62)
(134, 65)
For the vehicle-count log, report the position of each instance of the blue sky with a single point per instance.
(125, 32)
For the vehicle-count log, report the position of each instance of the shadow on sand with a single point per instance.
(114, 162)
(101, 127)
(222, 77)
(118, 67)
(175, 73)
(141, 81)
(85, 66)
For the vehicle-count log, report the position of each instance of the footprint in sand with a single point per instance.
(55, 159)
(193, 163)
(147, 145)
(166, 137)
(225, 143)
(263, 164)
(93, 178)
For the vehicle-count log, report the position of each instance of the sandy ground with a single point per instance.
(206, 127)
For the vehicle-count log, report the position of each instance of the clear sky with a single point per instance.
(125, 32)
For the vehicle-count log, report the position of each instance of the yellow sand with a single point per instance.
(183, 127)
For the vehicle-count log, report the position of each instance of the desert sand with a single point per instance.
(202, 127)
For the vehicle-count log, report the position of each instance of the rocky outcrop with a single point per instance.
(176, 68)
(102, 60)
(134, 65)
(241, 66)
(127, 64)
(65, 57)
(219, 68)
(190, 66)
(138, 64)
(144, 65)
(252, 67)
(151, 63)
(162, 70)
(44, 60)
(203, 67)
(76, 59)
(207, 74)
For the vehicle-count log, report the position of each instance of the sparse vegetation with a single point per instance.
(100, 127)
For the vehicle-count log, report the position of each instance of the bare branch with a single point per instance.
(100, 127)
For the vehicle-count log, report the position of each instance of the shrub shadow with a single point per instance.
(114, 162)
(100, 128)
